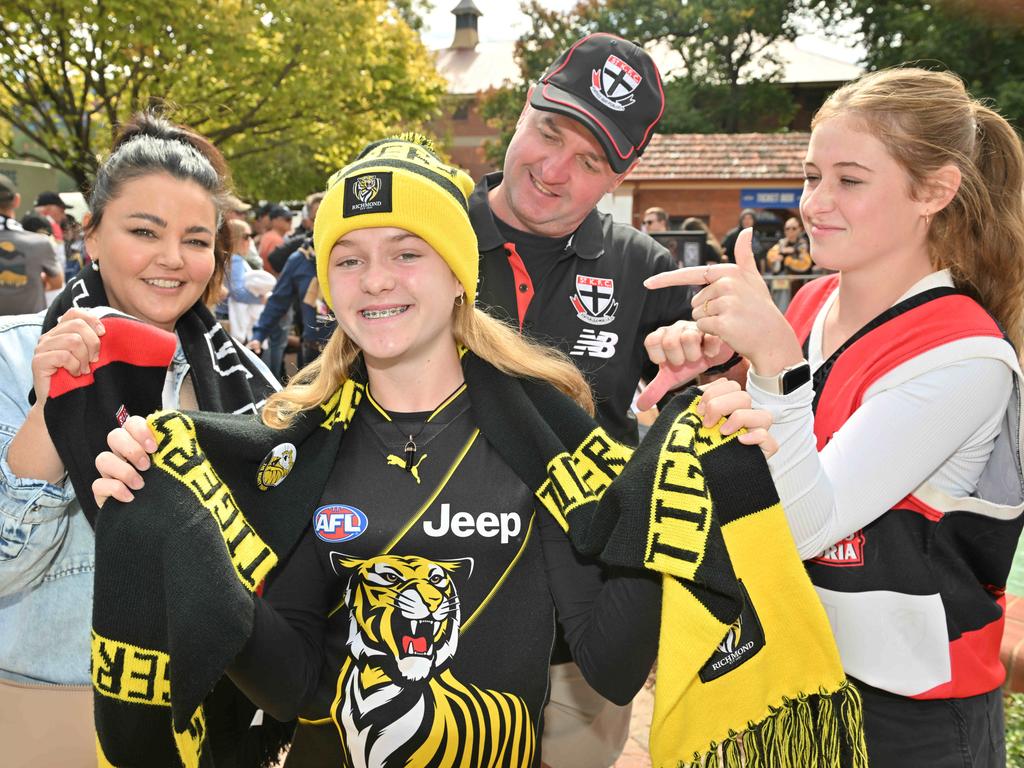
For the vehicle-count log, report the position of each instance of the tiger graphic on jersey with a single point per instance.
(397, 703)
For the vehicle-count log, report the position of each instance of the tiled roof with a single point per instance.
(717, 156)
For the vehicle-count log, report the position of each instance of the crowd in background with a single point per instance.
(783, 257)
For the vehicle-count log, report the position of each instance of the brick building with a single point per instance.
(714, 176)
(471, 68)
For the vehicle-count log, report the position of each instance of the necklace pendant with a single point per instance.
(410, 454)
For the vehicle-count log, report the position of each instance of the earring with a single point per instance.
(460, 300)
(95, 265)
(927, 220)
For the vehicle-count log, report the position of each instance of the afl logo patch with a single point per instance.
(338, 522)
(276, 466)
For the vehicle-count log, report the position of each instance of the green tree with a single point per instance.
(729, 63)
(979, 42)
(288, 89)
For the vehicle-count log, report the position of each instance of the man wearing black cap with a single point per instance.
(562, 272)
(52, 207)
(29, 265)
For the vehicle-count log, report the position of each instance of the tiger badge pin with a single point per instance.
(276, 466)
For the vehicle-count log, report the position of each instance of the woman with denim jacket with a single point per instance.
(156, 211)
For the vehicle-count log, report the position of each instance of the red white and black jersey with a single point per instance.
(916, 598)
(587, 299)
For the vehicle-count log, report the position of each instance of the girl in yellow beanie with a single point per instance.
(411, 605)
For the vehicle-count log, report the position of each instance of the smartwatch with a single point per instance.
(787, 381)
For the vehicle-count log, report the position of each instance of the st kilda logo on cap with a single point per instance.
(367, 193)
(614, 84)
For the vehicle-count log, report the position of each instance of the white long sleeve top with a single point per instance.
(935, 417)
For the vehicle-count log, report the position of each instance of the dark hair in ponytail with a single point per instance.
(927, 120)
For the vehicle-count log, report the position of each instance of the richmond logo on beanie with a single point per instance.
(368, 193)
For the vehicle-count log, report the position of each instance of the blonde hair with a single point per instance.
(928, 120)
(474, 329)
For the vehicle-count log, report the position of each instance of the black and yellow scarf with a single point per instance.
(747, 665)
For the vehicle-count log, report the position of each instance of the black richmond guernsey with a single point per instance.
(584, 296)
(413, 624)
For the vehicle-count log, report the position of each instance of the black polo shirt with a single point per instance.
(588, 299)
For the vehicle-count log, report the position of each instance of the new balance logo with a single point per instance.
(593, 343)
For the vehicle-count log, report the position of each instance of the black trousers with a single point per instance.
(939, 733)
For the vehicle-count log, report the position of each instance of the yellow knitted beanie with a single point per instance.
(400, 182)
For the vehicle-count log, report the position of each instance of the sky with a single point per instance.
(503, 20)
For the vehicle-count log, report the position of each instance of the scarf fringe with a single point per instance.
(807, 730)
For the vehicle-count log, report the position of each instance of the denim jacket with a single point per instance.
(47, 547)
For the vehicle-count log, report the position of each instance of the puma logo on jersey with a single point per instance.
(593, 343)
(414, 470)
(487, 524)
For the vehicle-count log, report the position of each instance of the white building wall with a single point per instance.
(619, 203)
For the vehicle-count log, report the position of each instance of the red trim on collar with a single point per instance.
(523, 284)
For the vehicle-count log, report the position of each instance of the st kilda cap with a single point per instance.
(610, 85)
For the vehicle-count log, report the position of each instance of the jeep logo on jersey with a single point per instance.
(593, 343)
(844, 554)
(594, 300)
(338, 522)
(742, 641)
(505, 526)
(614, 83)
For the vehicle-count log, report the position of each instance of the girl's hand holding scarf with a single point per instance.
(724, 398)
(119, 467)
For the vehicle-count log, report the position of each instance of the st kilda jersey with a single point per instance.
(589, 300)
(424, 594)
(916, 598)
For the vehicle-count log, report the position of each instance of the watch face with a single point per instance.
(795, 378)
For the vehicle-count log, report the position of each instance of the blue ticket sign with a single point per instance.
(781, 197)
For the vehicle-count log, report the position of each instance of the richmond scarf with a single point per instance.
(129, 379)
(747, 666)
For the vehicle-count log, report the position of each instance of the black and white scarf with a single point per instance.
(224, 377)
